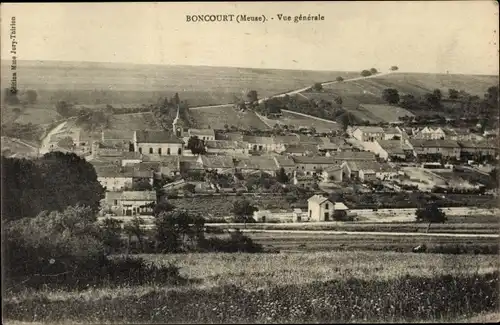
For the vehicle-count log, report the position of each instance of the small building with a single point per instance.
(429, 133)
(159, 143)
(226, 147)
(301, 150)
(255, 164)
(478, 150)
(435, 149)
(322, 209)
(221, 164)
(131, 158)
(368, 133)
(332, 174)
(202, 134)
(115, 178)
(130, 203)
(286, 163)
(259, 144)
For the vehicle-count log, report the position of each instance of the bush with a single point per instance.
(237, 242)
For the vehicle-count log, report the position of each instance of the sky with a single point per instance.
(417, 36)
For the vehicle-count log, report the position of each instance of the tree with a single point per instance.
(111, 231)
(252, 96)
(453, 93)
(243, 210)
(437, 93)
(176, 100)
(282, 177)
(318, 86)
(373, 71)
(32, 96)
(431, 214)
(174, 227)
(134, 228)
(196, 145)
(394, 68)
(339, 79)
(433, 100)
(63, 108)
(142, 184)
(390, 95)
(366, 73)
(10, 96)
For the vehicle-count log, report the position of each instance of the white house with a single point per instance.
(430, 133)
(114, 178)
(368, 133)
(322, 209)
(202, 134)
(130, 203)
(159, 143)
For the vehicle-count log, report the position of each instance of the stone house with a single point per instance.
(160, 143)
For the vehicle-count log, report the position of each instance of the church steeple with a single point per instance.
(175, 128)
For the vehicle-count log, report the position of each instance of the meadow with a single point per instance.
(283, 288)
(298, 121)
(134, 121)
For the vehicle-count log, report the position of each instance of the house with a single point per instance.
(301, 150)
(130, 203)
(226, 147)
(322, 209)
(256, 164)
(229, 136)
(107, 150)
(393, 133)
(115, 178)
(315, 164)
(393, 150)
(287, 140)
(190, 163)
(259, 144)
(159, 143)
(117, 137)
(286, 163)
(478, 150)
(202, 134)
(368, 170)
(131, 158)
(435, 149)
(333, 174)
(275, 215)
(461, 134)
(368, 133)
(303, 179)
(222, 164)
(327, 148)
(430, 133)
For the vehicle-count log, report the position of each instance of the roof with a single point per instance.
(313, 160)
(318, 199)
(233, 136)
(217, 161)
(156, 137)
(201, 132)
(125, 135)
(287, 139)
(138, 195)
(143, 173)
(132, 155)
(367, 166)
(391, 130)
(434, 143)
(340, 206)
(257, 162)
(478, 144)
(284, 161)
(306, 139)
(329, 146)
(302, 148)
(224, 144)
(370, 129)
(449, 131)
(148, 166)
(114, 171)
(332, 168)
(394, 146)
(258, 140)
(353, 155)
(191, 165)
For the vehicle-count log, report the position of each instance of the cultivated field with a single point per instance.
(85, 82)
(218, 117)
(18, 148)
(379, 113)
(38, 116)
(282, 288)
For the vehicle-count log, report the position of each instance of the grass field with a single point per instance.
(38, 116)
(218, 117)
(379, 113)
(282, 288)
(302, 121)
(18, 148)
(136, 121)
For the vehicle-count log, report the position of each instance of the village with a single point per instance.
(140, 167)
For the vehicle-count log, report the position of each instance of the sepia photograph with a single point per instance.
(250, 162)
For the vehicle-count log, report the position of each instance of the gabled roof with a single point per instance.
(257, 162)
(156, 137)
(370, 129)
(224, 144)
(306, 139)
(302, 148)
(340, 206)
(217, 161)
(232, 136)
(332, 168)
(318, 199)
(138, 196)
(353, 155)
(391, 130)
(396, 147)
(284, 161)
(368, 165)
(114, 171)
(315, 160)
(423, 143)
(258, 140)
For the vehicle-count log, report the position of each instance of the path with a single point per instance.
(45, 144)
(369, 233)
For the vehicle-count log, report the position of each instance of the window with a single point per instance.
(310, 213)
(140, 150)
(260, 148)
(159, 151)
(168, 151)
(116, 202)
(326, 216)
(326, 206)
(179, 151)
(151, 150)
